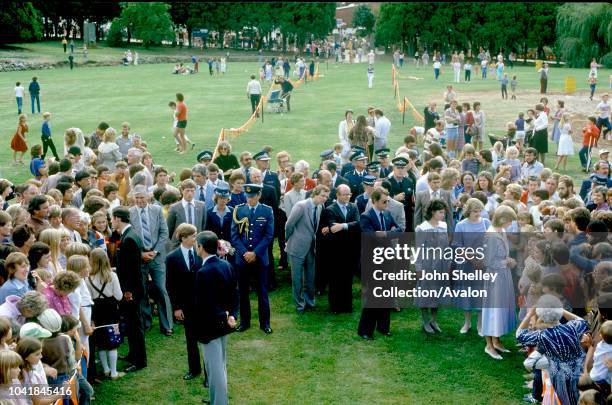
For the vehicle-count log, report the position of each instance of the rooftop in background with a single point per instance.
(345, 10)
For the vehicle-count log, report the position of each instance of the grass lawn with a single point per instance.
(317, 358)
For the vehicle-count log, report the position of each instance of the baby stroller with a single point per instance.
(506, 140)
(276, 102)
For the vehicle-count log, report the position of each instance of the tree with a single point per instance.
(20, 22)
(364, 19)
(149, 22)
(303, 20)
(584, 32)
(115, 34)
(401, 23)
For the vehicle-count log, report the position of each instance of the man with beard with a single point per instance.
(565, 189)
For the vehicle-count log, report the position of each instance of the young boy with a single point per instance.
(124, 141)
(538, 196)
(600, 374)
(513, 84)
(590, 136)
(337, 157)
(504, 86)
(46, 137)
(520, 128)
(172, 105)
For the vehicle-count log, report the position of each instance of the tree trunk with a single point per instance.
(129, 35)
(525, 50)
(189, 31)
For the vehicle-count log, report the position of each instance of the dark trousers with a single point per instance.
(583, 155)
(193, 352)
(468, 75)
(245, 273)
(543, 85)
(48, 144)
(254, 101)
(592, 86)
(35, 97)
(504, 91)
(281, 221)
(537, 389)
(604, 122)
(374, 318)
(287, 97)
(341, 290)
(132, 314)
(19, 104)
(436, 73)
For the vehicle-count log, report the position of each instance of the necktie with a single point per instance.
(252, 215)
(382, 222)
(246, 174)
(189, 213)
(314, 218)
(191, 260)
(146, 233)
(343, 209)
(202, 194)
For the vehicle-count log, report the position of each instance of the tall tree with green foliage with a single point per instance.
(584, 31)
(303, 20)
(401, 23)
(20, 22)
(149, 22)
(364, 19)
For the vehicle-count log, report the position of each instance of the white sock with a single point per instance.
(112, 356)
(103, 359)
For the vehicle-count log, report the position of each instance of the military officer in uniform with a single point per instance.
(355, 177)
(362, 199)
(348, 167)
(373, 168)
(383, 159)
(402, 189)
(252, 233)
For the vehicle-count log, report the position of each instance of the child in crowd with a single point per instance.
(338, 154)
(70, 327)
(498, 154)
(519, 124)
(566, 144)
(538, 196)
(600, 374)
(10, 363)
(32, 371)
(469, 162)
(38, 167)
(530, 287)
(6, 333)
(512, 160)
(545, 174)
(513, 84)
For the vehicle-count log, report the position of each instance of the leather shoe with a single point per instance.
(366, 337)
(168, 332)
(242, 328)
(132, 368)
(267, 330)
(189, 376)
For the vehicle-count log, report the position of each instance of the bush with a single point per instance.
(116, 33)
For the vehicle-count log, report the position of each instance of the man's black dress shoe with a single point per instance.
(190, 376)
(267, 330)
(168, 332)
(242, 328)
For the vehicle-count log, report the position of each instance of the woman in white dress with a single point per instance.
(499, 308)
(344, 128)
(566, 145)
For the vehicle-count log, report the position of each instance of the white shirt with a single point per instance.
(254, 87)
(422, 183)
(19, 90)
(599, 371)
(185, 252)
(382, 127)
(604, 110)
(436, 65)
(541, 121)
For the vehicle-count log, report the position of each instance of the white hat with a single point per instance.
(50, 320)
(33, 330)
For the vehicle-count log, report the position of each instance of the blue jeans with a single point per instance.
(59, 381)
(484, 72)
(436, 73)
(37, 98)
(19, 104)
(604, 122)
(583, 154)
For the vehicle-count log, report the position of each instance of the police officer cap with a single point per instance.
(384, 152)
(373, 166)
(205, 155)
(263, 155)
(222, 191)
(356, 148)
(400, 161)
(358, 156)
(251, 190)
(369, 180)
(326, 153)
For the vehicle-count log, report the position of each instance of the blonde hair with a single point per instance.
(76, 248)
(100, 265)
(13, 260)
(53, 238)
(473, 204)
(8, 360)
(70, 137)
(448, 175)
(512, 152)
(76, 263)
(503, 215)
(109, 135)
(515, 190)
(545, 174)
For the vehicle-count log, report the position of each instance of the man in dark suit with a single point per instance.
(402, 189)
(216, 307)
(252, 234)
(149, 223)
(376, 220)
(355, 177)
(188, 210)
(424, 197)
(182, 264)
(341, 232)
(132, 281)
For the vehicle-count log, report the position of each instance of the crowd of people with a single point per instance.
(101, 238)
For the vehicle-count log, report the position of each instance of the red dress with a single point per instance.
(18, 144)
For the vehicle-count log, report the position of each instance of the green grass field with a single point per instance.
(316, 358)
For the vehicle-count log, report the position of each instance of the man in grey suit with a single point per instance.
(433, 191)
(148, 222)
(188, 209)
(300, 233)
